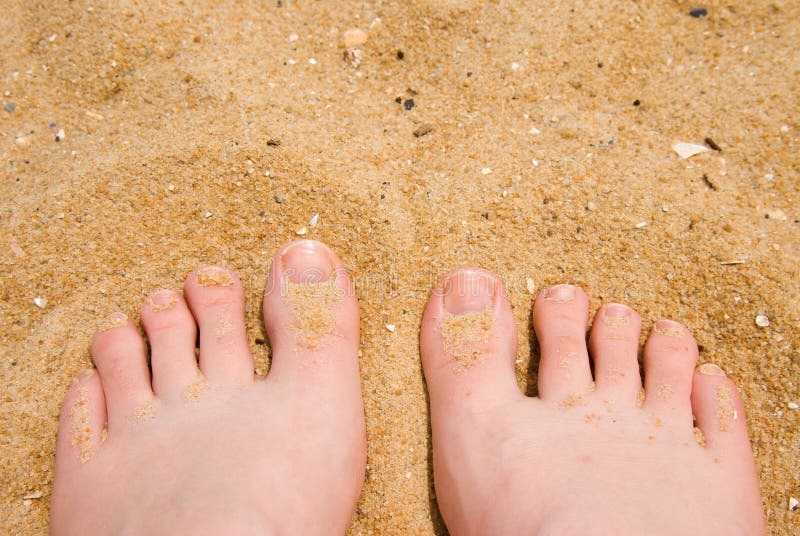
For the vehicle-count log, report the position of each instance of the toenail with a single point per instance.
(617, 314)
(669, 328)
(114, 320)
(307, 261)
(210, 276)
(469, 291)
(710, 369)
(162, 300)
(559, 293)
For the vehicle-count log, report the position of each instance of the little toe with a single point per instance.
(614, 345)
(172, 334)
(119, 353)
(468, 343)
(311, 316)
(216, 299)
(670, 356)
(719, 411)
(560, 315)
(81, 425)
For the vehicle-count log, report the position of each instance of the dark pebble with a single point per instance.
(711, 143)
(709, 183)
(10, 107)
(51, 124)
(469, 73)
(408, 104)
(422, 130)
(400, 55)
(272, 142)
(261, 341)
(398, 100)
(637, 102)
(698, 12)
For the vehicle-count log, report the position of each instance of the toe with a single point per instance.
(119, 353)
(311, 316)
(81, 426)
(719, 411)
(216, 299)
(560, 315)
(468, 343)
(670, 356)
(614, 345)
(172, 334)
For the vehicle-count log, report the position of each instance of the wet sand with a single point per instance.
(141, 140)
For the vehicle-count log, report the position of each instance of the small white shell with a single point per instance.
(530, 284)
(40, 302)
(762, 321)
(391, 327)
(314, 220)
(688, 150)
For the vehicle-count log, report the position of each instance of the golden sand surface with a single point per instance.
(139, 140)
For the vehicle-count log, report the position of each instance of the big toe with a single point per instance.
(311, 316)
(468, 343)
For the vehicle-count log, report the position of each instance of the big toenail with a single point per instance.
(114, 320)
(162, 300)
(710, 369)
(669, 328)
(211, 276)
(559, 293)
(617, 314)
(469, 291)
(307, 261)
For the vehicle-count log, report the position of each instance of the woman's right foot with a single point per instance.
(594, 453)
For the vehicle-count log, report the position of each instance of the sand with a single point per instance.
(212, 132)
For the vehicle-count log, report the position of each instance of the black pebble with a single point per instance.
(711, 143)
(469, 73)
(398, 100)
(637, 102)
(272, 142)
(408, 104)
(400, 55)
(260, 341)
(698, 12)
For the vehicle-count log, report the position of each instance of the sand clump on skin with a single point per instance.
(81, 431)
(466, 337)
(195, 389)
(158, 307)
(213, 276)
(725, 410)
(311, 304)
(114, 320)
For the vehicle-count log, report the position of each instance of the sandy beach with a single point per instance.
(139, 140)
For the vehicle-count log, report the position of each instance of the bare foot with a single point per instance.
(203, 446)
(585, 457)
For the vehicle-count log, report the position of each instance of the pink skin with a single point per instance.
(583, 457)
(203, 446)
